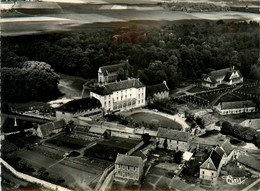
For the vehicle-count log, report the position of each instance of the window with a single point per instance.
(177, 142)
(212, 174)
(63, 112)
(203, 172)
(118, 166)
(128, 167)
(134, 169)
(125, 96)
(139, 101)
(142, 94)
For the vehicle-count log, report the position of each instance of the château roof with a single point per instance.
(111, 68)
(173, 134)
(151, 90)
(117, 86)
(221, 73)
(237, 104)
(80, 105)
(134, 161)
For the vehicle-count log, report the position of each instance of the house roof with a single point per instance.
(97, 130)
(80, 105)
(135, 161)
(213, 80)
(227, 147)
(140, 154)
(249, 161)
(111, 68)
(173, 134)
(237, 104)
(47, 128)
(212, 163)
(151, 90)
(221, 73)
(220, 151)
(116, 86)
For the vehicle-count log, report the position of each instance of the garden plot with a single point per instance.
(108, 149)
(67, 143)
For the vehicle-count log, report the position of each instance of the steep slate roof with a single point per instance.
(237, 104)
(213, 80)
(80, 105)
(173, 134)
(220, 151)
(221, 72)
(111, 68)
(140, 154)
(212, 163)
(227, 147)
(134, 161)
(48, 128)
(117, 86)
(151, 90)
(249, 161)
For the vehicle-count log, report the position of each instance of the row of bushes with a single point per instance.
(246, 134)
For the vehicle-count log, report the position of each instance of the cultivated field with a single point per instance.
(67, 143)
(108, 149)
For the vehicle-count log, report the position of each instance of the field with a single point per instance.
(155, 119)
(68, 143)
(212, 96)
(108, 149)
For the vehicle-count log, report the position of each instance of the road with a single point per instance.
(108, 182)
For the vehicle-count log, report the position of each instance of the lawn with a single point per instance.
(67, 142)
(108, 149)
(157, 120)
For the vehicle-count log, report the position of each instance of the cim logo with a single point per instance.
(234, 180)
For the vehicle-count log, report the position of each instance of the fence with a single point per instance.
(32, 179)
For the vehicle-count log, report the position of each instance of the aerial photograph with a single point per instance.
(115, 95)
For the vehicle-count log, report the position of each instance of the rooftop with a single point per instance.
(237, 104)
(150, 90)
(249, 161)
(112, 68)
(117, 86)
(135, 161)
(227, 147)
(212, 163)
(47, 128)
(80, 105)
(173, 134)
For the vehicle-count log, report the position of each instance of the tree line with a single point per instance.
(173, 52)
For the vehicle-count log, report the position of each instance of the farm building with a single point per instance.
(79, 107)
(47, 129)
(228, 76)
(235, 107)
(225, 151)
(128, 168)
(176, 140)
(248, 161)
(157, 92)
(121, 95)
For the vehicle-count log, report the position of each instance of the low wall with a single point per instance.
(32, 179)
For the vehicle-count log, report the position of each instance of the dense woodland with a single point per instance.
(173, 53)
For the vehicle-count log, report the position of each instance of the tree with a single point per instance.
(146, 138)
(178, 157)
(226, 128)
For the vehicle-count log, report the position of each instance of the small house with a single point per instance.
(50, 128)
(128, 168)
